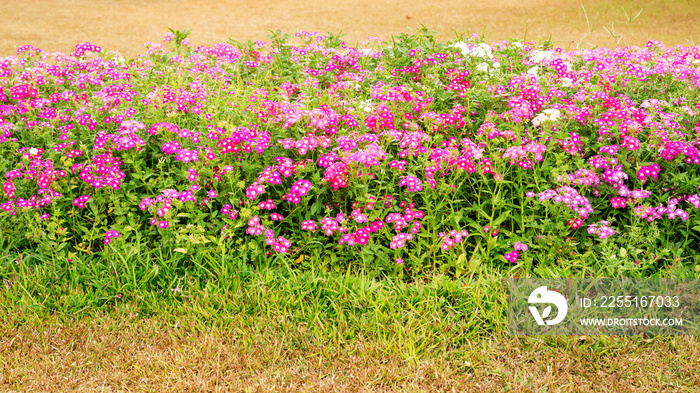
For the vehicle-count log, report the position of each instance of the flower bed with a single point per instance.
(405, 156)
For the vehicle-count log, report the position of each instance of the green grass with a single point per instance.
(115, 320)
(225, 322)
(412, 318)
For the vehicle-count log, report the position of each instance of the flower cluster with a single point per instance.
(300, 188)
(602, 229)
(383, 140)
(254, 226)
(280, 244)
(80, 201)
(413, 183)
(399, 240)
(109, 235)
(571, 198)
(513, 255)
(648, 170)
(452, 238)
(309, 225)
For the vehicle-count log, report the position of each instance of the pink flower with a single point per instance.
(602, 229)
(163, 224)
(110, 234)
(618, 203)
(412, 182)
(309, 225)
(512, 256)
(80, 201)
(575, 224)
(518, 246)
(399, 240)
(267, 205)
(347, 238)
(254, 190)
(9, 189)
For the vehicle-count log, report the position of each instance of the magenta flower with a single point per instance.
(163, 224)
(281, 245)
(348, 239)
(145, 203)
(618, 203)
(413, 183)
(512, 256)
(9, 188)
(110, 234)
(299, 189)
(518, 246)
(399, 240)
(80, 201)
(329, 226)
(602, 229)
(648, 170)
(254, 226)
(254, 190)
(267, 205)
(309, 225)
(575, 223)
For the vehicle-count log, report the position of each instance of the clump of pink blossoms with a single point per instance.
(110, 234)
(452, 238)
(513, 255)
(602, 229)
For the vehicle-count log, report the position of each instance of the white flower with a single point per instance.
(462, 47)
(538, 56)
(482, 50)
(546, 115)
(33, 151)
(366, 106)
(534, 71)
(552, 114)
(486, 67)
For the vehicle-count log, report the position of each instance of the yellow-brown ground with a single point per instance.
(124, 25)
(123, 352)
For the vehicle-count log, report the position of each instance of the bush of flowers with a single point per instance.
(402, 156)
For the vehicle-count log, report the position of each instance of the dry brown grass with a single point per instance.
(124, 25)
(125, 352)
